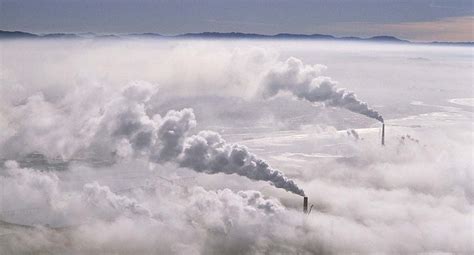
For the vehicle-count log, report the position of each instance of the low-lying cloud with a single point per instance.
(94, 163)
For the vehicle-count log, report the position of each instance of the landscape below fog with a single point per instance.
(144, 146)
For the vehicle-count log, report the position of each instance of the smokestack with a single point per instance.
(383, 134)
(305, 204)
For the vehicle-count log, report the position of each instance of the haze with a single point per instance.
(176, 147)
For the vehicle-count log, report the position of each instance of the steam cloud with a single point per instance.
(67, 102)
(208, 152)
(304, 82)
(100, 217)
(122, 129)
(205, 152)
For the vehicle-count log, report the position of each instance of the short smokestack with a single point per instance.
(383, 134)
(305, 204)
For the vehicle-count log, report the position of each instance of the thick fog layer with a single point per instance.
(172, 147)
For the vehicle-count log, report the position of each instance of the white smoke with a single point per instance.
(121, 188)
(208, 152)
(120, 127)
(305, 82)
(195, 220)
(112, 204)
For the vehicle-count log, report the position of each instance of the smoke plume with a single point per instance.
(208, 152)
(67, 102)
(304, 82)
(121, 128)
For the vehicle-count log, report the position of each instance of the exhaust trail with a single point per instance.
(119, 127)
(305, 83)
(207, 152)
(167, 139)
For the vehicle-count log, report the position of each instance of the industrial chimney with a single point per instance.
(305, 205)
(383, 134)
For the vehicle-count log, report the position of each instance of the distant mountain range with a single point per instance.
(217, 35)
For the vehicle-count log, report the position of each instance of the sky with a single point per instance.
(420, 20)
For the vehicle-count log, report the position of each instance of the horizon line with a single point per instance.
(313, 36)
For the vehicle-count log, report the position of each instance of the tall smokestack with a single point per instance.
(305, 204)
(383, 134)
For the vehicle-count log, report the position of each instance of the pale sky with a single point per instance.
(419, 20)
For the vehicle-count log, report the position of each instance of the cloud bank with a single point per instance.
(119, 167)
